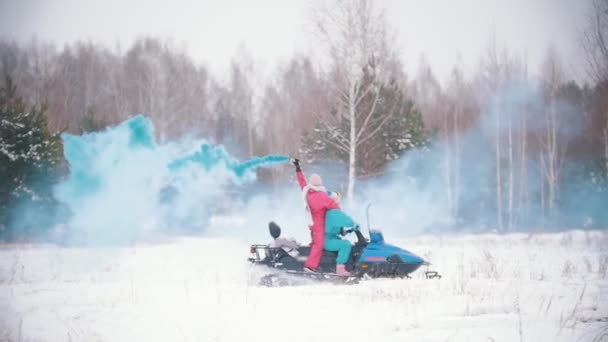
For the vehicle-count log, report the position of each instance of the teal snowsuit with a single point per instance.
(335, 219)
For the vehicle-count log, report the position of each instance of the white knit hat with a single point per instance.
(315, 180)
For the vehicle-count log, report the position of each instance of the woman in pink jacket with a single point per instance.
(317, 202)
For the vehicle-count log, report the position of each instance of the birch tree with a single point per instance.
(501, 76)
(355, 37)
(552, 153)
(493, 79)
(524, 110)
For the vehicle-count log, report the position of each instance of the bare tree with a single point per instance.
(427, 94)
(452, 146)
(523, 108)
(460, 111)
(514, 74)
(161, 83)
(501, 73)
(553, 153)
(594, 40)
(291, 101)
(242, 94)
(493, 79)
(354, 33)
(299, 94)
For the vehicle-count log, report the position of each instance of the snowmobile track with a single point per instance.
(297, 278)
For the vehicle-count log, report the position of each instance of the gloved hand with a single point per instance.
(356, 227)
(295, 162)
(344, 231)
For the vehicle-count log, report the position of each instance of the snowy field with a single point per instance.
(547, 287)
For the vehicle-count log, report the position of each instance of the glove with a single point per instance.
(356, 227)
(345, 231)
(295, 162)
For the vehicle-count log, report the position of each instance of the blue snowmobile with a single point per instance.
(371, 258)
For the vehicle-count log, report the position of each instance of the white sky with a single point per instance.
(212, 31)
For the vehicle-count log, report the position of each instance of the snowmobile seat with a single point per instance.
(305, 251)
(274, 229)
(328, 260)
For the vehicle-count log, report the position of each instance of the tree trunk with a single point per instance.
(552, 177)
(511, 171)
(250, 132)
(498, 176)
(448, 163)
(457, 156)
(543, 202)
(523, 174)
(352, 151)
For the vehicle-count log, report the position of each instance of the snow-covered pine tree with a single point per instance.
(30, 158)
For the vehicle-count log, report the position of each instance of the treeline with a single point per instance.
(519, 148)
(85, 86)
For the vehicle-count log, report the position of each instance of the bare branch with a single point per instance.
(380, 126)
(360, 97)
(337, 142)
(369, 115)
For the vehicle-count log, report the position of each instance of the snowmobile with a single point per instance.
(371, 258)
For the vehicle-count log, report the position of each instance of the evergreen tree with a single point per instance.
(29, 162)
(403, 131)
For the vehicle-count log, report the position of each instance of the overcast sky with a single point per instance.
(272, 30)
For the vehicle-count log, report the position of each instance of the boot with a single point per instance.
(308, 270)
(341, 271)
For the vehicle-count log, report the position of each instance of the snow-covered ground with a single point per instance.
(539, 287)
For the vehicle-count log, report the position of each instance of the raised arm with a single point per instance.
(301, 178)
(299, 174)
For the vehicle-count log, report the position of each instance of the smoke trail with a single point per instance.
(209, 157)
(123, 184)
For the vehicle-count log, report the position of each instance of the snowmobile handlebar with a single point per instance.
(360, 237)
(361, 240)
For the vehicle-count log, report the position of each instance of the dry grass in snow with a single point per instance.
(547, 287)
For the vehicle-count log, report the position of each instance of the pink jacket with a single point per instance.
(318, 202)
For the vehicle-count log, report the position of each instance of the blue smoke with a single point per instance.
(124, 185)
(210, 157)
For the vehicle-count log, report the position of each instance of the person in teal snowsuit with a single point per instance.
(335, 220)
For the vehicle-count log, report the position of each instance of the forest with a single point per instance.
(506, 147)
